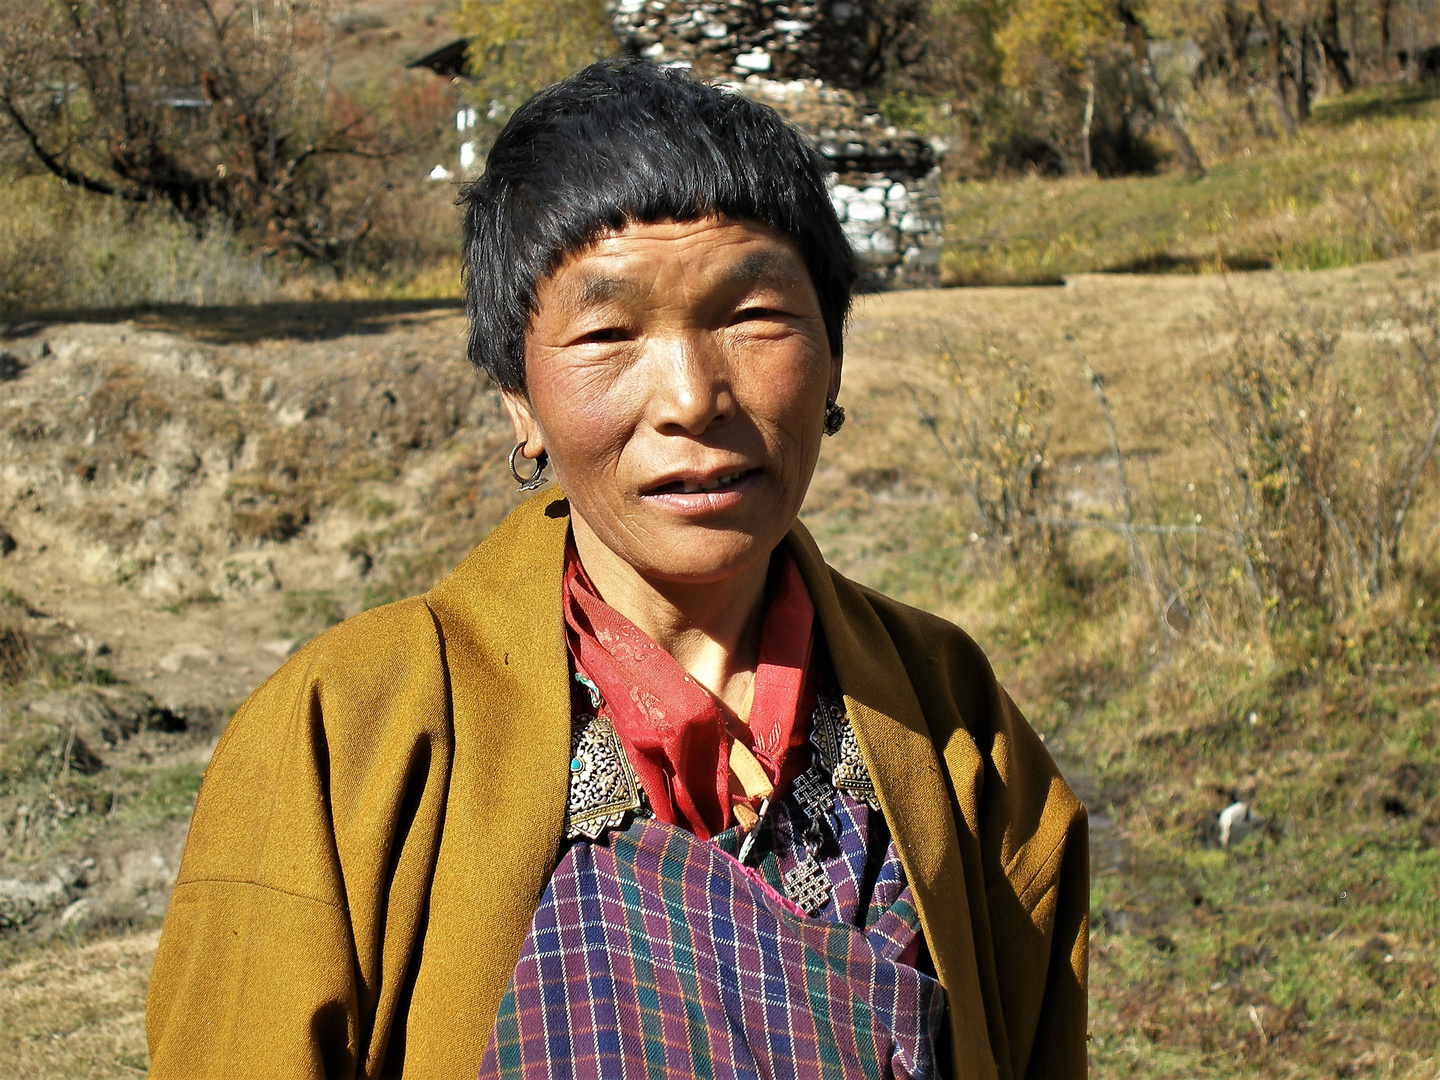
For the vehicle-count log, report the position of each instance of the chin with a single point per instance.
(706, 555)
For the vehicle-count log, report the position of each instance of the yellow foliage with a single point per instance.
(1059, 34)
(519, 46)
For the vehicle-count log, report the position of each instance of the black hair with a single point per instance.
(626, 141)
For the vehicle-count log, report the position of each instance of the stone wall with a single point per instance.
(788, 39)
(805, 59)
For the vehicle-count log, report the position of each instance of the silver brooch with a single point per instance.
(603, 787)
(808, 886)
(833, 737)
(807, 883)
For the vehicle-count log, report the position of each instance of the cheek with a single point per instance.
(586, 418)
(786, 386)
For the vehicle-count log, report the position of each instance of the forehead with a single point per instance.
(674, 256)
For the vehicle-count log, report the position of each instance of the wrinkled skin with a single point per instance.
(677, 379)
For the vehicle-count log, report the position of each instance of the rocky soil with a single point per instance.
(184, 499)
(187, 495)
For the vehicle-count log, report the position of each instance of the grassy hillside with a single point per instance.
(1361, 182)
(1305, 948)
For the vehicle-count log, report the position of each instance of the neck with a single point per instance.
(711, 629)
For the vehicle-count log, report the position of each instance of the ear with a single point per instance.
(522, 420)
(837, 363)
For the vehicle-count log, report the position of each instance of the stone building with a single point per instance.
(807, 59)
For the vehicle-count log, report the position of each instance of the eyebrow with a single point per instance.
(761, 265)
(599, 290)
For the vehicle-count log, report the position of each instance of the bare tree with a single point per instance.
(218, 108)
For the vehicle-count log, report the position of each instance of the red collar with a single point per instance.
(672, 728)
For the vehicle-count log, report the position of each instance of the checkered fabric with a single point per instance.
(653, 954)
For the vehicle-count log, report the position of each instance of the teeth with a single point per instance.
(691, 487)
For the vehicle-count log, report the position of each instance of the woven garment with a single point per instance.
(654, 954)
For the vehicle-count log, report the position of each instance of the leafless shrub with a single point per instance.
(1328, 457)
(222, 110)
(1324, 433)
(17, 649)
(17, 654)
(995, 439)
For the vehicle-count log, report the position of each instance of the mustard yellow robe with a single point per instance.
(381, 817)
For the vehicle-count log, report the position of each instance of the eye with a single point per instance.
(604, 335)
(757, 313)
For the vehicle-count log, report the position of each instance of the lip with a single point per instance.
(669, 494)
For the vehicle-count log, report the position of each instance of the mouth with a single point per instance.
(702, 485)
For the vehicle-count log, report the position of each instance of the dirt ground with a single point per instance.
(191, 494)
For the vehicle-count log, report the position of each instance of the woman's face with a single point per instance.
(677, 377)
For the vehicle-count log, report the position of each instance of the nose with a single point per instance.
(690, 390)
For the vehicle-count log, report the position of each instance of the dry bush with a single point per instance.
(221, 109)
(994, 435)
(1328, 458)
(17, 654)
(1324, 439)
(64, 249)
(17, 648)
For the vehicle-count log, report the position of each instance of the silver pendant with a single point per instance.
(603, 787)
(833, 737)
(814, 794)
(808, 886)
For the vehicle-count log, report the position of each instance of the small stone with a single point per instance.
(79, 911)
(858, 233)
(865, 210)
(924, 258)
(282, 647)
(759, 60)
(884, 242)
(1237, 820)
(191, 654)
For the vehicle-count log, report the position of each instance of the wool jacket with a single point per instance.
(380, 818)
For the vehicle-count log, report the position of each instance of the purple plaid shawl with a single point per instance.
(653, 954)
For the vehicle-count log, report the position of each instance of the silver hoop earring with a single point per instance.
(534, 480)
(834, 417)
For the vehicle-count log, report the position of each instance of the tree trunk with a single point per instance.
(1336, 57)
(1139, 40)
(1279, 67)
(1383, 12)
(1356, 70)
(1237, 34)
(1304, 78)
(1087, 121)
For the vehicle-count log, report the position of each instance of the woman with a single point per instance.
(643, 787)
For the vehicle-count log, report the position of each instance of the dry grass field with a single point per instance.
(1307, 948)
(1358, 183)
